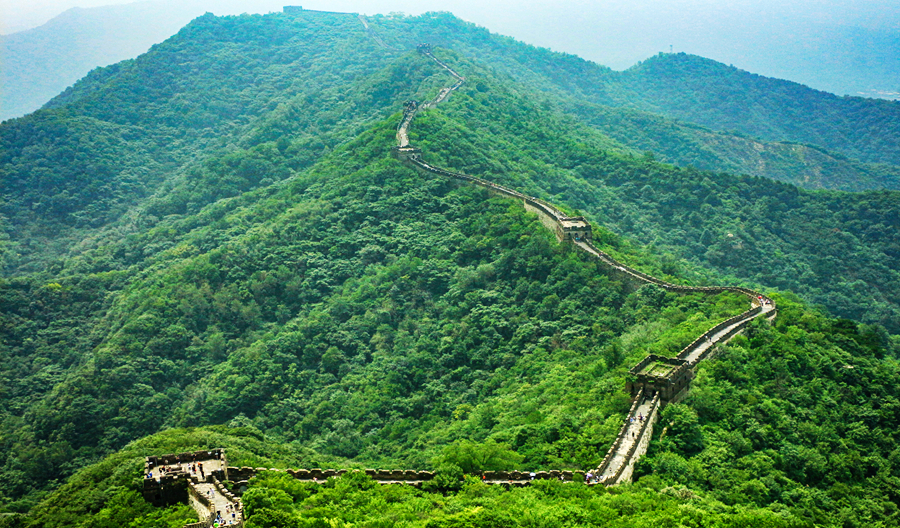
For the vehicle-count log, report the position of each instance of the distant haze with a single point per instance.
(842, 46)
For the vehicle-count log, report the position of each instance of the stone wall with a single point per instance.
(200, 504)
(153, 462)
(672, 387)
(167, 490)
(640, 448)
(564, 227)
(620, 437)
(739, 321)
(172, 487)
(675, 383)
(548, 221)
(399, 476)
(298, 10)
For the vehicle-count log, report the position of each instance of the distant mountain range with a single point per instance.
(859, 61)
(40, 63)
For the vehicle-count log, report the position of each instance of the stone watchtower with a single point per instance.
(166, 477)
(669, 377)
(405, 153)
(575, 228)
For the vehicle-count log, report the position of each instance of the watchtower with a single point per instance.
(405, 153)
(670, 377)
(166, 477)
(575, 228)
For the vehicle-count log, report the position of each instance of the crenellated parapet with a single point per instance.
(299, 10)
(411, 477)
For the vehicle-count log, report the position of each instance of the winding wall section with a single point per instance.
(655, 380)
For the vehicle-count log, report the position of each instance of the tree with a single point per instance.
(269, 518)
(474, 457)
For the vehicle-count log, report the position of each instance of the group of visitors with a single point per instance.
(631, 420)
(192, 468)
(592, 478)
(230, 517)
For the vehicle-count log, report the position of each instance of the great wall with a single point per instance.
(654, 382)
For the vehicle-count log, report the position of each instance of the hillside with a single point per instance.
(725, 98)
(66, 168)
(40, 63)
(687, 144)
(276, 275)
(732, 140)
(686, 87)
(47, 216)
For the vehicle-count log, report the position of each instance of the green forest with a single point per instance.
(210, 246)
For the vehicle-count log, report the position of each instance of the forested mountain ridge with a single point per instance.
(687, 144)
(79, 195)
(662, 86)
(165, 144)
(739, 226)
(726, 98)
(366, 311)
(134, 130)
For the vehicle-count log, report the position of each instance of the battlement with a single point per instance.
(656, 380)
(575, 228)
(565, 227)
(400, 476)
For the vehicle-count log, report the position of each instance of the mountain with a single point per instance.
(711, 94)
(830, 129)
(41, 62)
(210, 244)
(47, 59)
(688, 144)
(68, 181)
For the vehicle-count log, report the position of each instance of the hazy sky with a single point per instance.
(616, 33)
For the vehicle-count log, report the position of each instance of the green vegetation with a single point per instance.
(274, 501)
(354, 324)
(107, 493)
(693, 111)
(836, 249)
(209, 246)
(155, 136)
(786, 428)
(801, 415)
(715, 95)
(687, 144)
